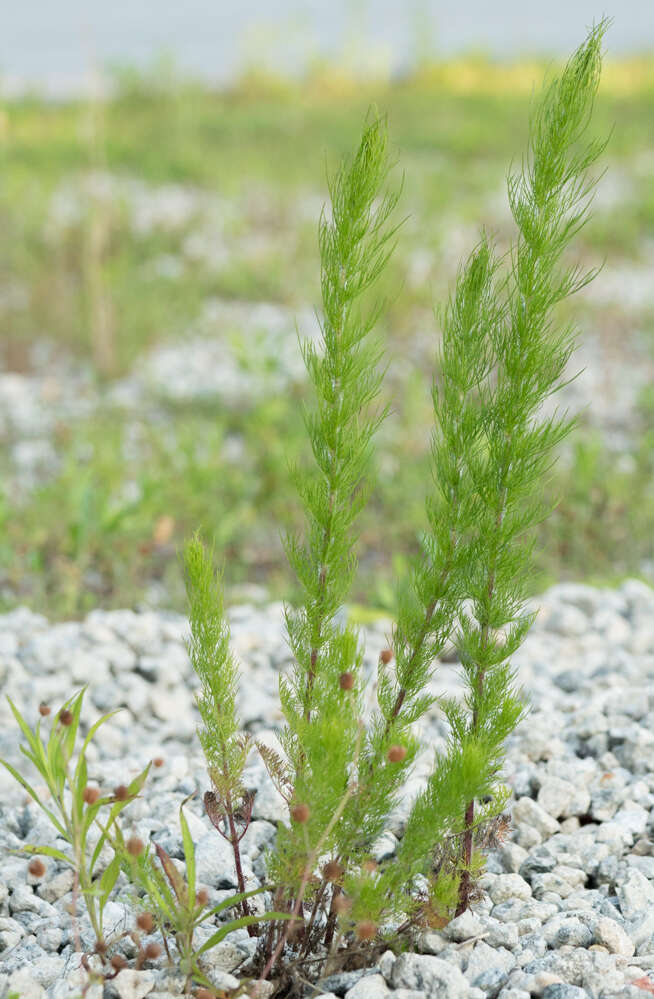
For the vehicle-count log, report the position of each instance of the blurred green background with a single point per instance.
(158, 248)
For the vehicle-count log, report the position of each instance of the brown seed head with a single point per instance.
(36, 868)
(370, 866)
(366, 929)
(135, 846)
(300, 813)
(341, 905)
(145, 921)
(118, 962)
(66, 717)
(346, 681)
(205, 994)
(44, 710)
(332, 871)
(297, 928)
(202, 897)
(158, 761)
(121, 793)
(100, 947)
(152, 951)
(91, 795)
(396, 754)
(385, 656)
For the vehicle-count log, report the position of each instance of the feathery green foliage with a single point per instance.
(507, 462)
(321, 717)
(229, 804)
(502, 354)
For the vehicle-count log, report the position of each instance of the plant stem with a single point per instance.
(465, 884)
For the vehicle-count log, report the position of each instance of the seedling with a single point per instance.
(173, 905)
(77, 806)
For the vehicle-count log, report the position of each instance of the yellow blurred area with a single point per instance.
(467, 75)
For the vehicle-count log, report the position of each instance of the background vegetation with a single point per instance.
(155, 251)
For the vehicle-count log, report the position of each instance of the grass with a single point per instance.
(132, 484)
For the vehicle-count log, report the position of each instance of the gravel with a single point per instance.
(568, 906)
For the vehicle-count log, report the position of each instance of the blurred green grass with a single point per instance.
(104, 528)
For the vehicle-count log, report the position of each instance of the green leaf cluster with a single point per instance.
(177, 907)
(73, 814)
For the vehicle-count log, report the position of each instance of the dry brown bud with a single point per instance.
(90, 795)
(205, 994)
(396, 754)
(341, 905)
(66, 717)
(44, 710)
(145, 921)
(202, 897)
(386, 655)
(135, 846)
(152, 951)
(332, 871)
(300, 813)
(366, 929)
(121, 793)
(118, 962)
(36, 868)
(346, 681)
(158, 761)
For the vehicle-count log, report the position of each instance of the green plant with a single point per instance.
(172, 904)
(502, 354)
(77, 806)
(508, 453)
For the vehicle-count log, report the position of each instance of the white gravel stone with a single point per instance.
(24, 984)
(464, 927)
(611, 935)
(429, 974)
(502, 887)
(370, 987)
(635, 895)
(529, 812)
(132, 984)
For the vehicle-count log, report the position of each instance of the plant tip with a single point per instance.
(66, 717)
(135, 846)
(346, 681)
(366, 929)
(152, 951)
(145, 922)
(332, 871)
(202, 897)
(36, 868)
(90, 795)
(396, 754)
(341, 905)
(300, 813)
(118, 962)
(121, 793)
(385, 656)
(44, 709)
